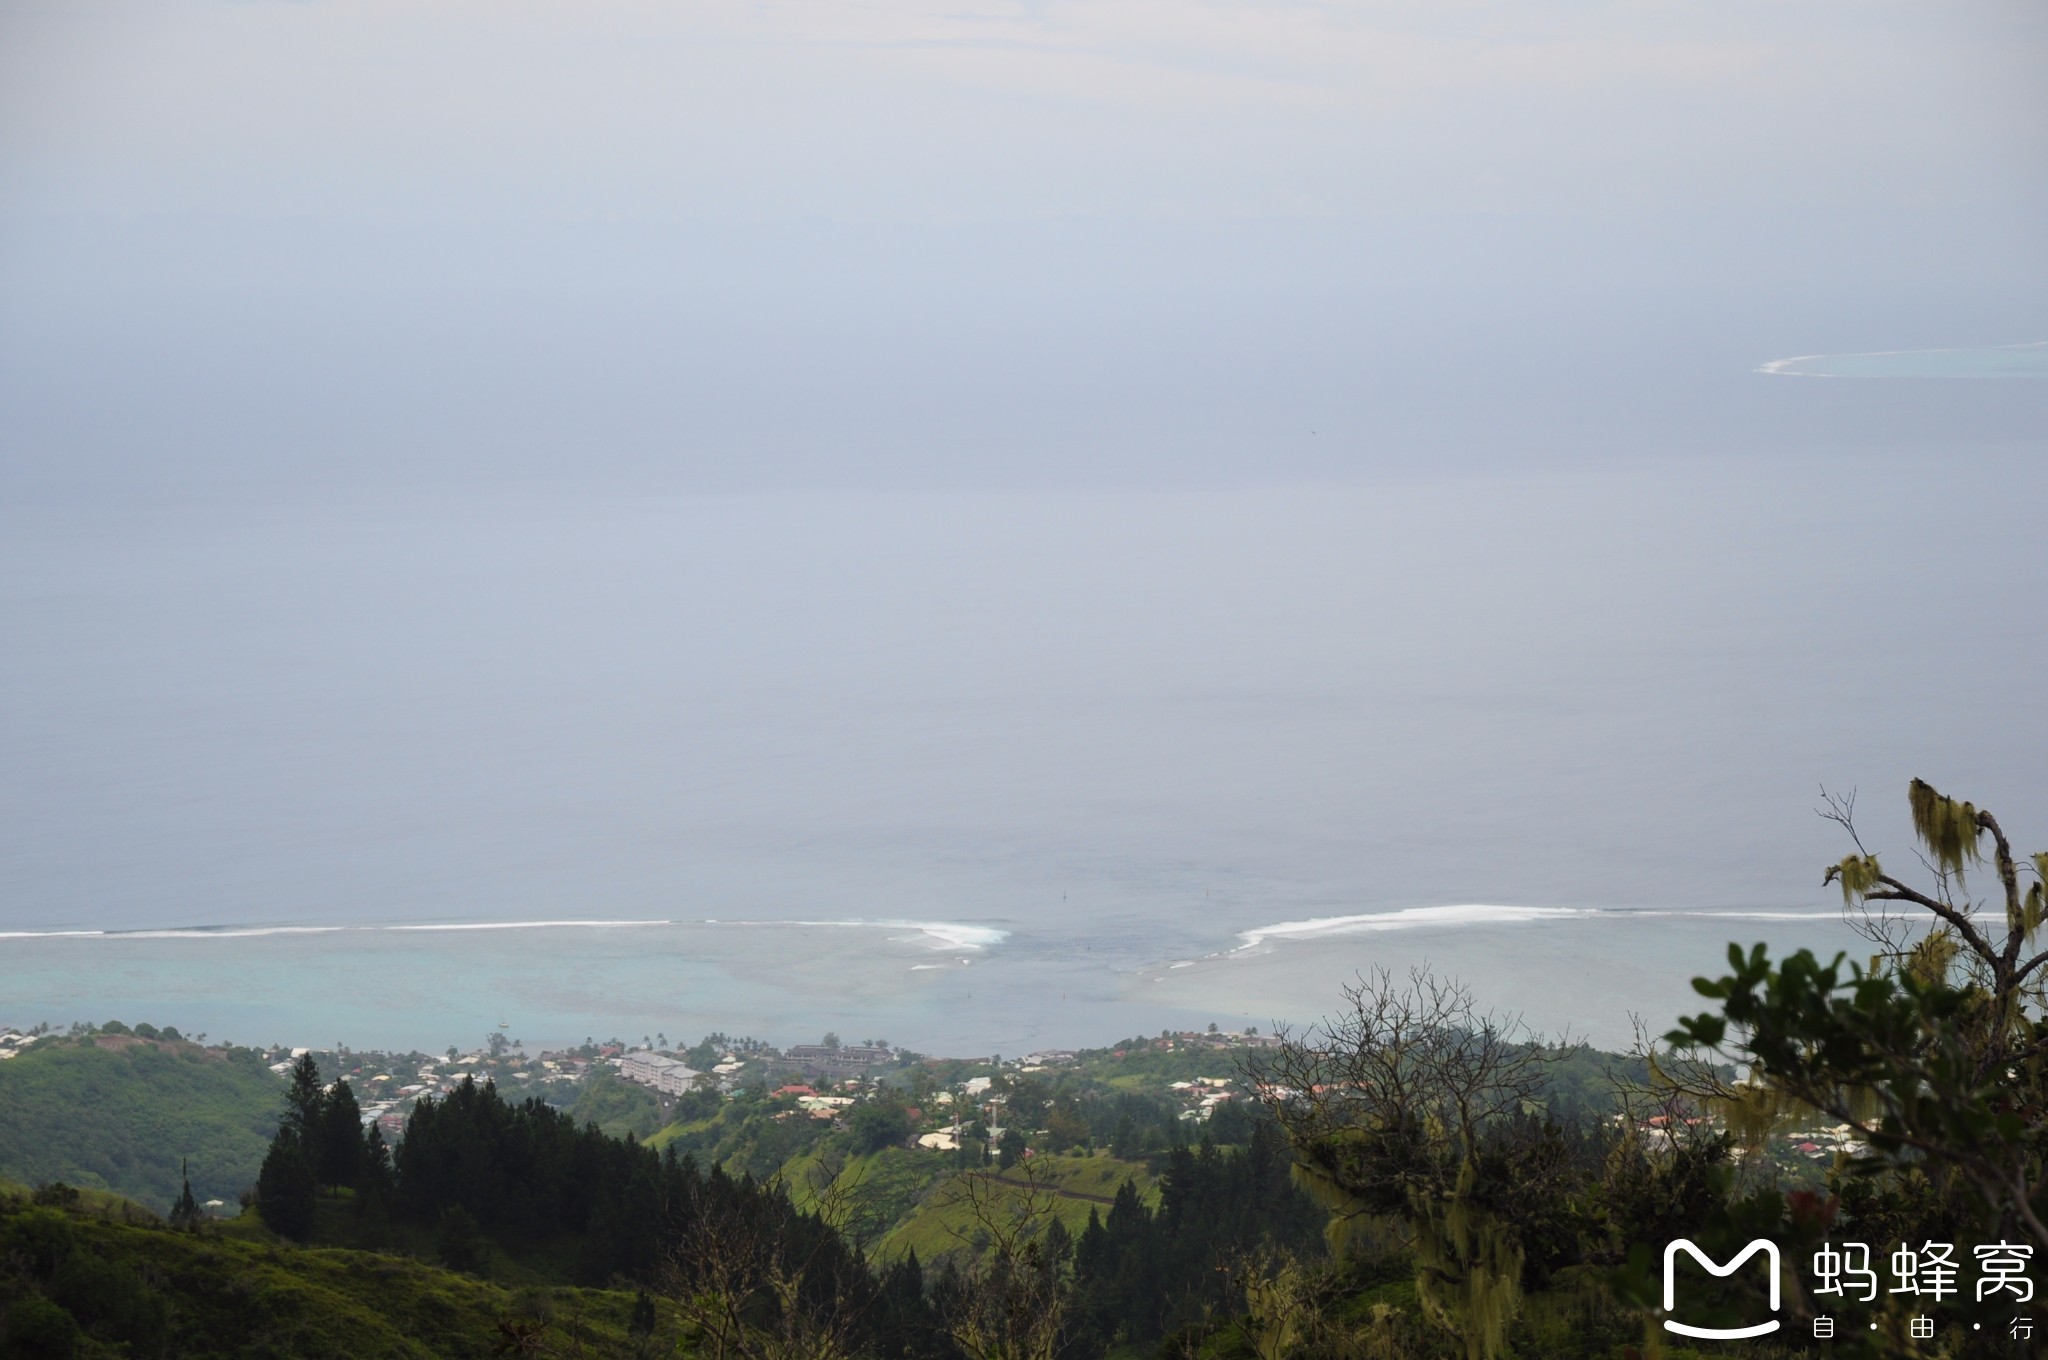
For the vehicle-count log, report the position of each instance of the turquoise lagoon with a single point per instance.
(950, 989)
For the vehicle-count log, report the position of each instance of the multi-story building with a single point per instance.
(665, 1074)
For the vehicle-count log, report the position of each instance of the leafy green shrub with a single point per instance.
(37, 1329)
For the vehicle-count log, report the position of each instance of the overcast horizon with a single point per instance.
(308, 249)
(1124, 472)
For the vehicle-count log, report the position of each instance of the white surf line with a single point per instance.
(938, 935)
(174, 933)
(518, 925)
(1778, 367)
(1258, 938)
(942, 934)
(1817, 914)
(247, 932)
(1404, 918)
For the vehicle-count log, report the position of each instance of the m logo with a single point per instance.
(1770, 1251)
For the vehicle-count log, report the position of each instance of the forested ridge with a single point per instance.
(126, 1111)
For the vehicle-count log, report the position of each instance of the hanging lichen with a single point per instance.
(1929, 960)
(1858, 874)
(1468, 1275)
(1347, 1218)
(1946, 826)
(1278, 1311)
(1354, 1222)
(2034, 910)
(1755, 1111)
(1380, 1339)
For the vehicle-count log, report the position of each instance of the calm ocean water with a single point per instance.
(1081, 738)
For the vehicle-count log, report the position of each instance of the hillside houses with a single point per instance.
(12, 1043)
(827, 1062)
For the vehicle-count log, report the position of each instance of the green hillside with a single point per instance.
(119, 1112)
(866, 1197)
(1065, 1188)
(100, 1203)
(77, 1283)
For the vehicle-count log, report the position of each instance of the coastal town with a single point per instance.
(1167, 1089)
(955, 1098)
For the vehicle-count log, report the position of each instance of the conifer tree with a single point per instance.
(375, 1178)
(341, 1138)
(305, 1104)
(284, 1188)
(461, 1242)
(185, 1213)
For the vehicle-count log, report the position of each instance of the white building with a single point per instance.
(665, 1074)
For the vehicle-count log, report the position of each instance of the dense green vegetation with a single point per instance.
(749, 1135)
(1068, 1190)
(617, 1107)
(79, 1281)
(1141, 1274)
(121, 1112)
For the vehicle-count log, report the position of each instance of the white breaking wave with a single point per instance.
(1788, 368)
(247, 932)
(949, 934)
(1783, 367)
(520, 925)
(937, 935)
(1407, 918)
(1741, 915)
(186, 933)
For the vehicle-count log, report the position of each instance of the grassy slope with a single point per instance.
(745, 1136)
(120, 1115)
(662, 1137)
(900, 1199)
(944, 1220)
(337, 1224)
(616, 1106)
(867, 1196)
(232, 1295)
(103, 1203)
(1154, 1069)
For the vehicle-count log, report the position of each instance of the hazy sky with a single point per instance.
(1131, 471)
(983, 244)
